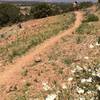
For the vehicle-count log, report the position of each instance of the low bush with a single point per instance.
(84, 28)
(68, 61)
(91, 17)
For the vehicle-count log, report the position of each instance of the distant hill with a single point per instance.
(46, 0)
(19, 2)
(30, 2)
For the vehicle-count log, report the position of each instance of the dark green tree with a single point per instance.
(9, 13)
(41, 10)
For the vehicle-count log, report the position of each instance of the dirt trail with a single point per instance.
(11, 74)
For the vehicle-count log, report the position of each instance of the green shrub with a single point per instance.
(91, 17)
(67, 61)
(84, 28)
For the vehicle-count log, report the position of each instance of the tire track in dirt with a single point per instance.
(11, 74)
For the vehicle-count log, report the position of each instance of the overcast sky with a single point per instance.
(50, 0)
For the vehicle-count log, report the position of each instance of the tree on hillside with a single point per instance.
(9, 13)
(40, 10)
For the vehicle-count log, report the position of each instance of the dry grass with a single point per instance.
(63, 68)
(90, 27)
(17, 42)
(69, 71)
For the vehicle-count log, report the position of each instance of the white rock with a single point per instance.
(83, 80)
(86, 80)
(89, 70)
(93, 73)
(79, 68)
(98, 74)
(73, 71)
(89, 92)
(86, 57)
(97, 44)
(98, 87)
(45, 86)
(80, 91)
(91, 46)
(81, 98)
(51, 97)
(70, 79)
(89, 80)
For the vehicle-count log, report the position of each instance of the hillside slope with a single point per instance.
(12, 74)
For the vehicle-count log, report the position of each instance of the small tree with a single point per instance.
(41, 10)
(9, 13)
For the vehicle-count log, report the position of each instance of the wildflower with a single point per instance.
(45, 86)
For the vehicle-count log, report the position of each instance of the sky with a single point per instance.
(50, 0)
